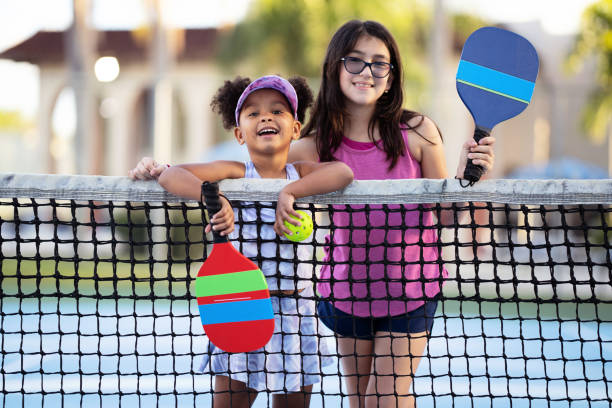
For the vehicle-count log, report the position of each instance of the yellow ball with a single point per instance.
(300, 232)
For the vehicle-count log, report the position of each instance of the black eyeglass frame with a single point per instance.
(367, 64)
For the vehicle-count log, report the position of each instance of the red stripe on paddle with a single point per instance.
(240, 337)
(224, 258)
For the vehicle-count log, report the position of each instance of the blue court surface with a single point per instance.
(547, 355)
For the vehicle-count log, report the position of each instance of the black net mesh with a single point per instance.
(98, 305)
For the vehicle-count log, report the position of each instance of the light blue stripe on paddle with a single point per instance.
(495, 81)
(240, 311)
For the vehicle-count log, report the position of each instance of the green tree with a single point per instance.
(291, 37)
(462, 26)
(595, 38)
(279, 36)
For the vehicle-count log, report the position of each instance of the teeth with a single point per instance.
(267, 132)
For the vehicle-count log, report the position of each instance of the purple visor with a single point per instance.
(269, 82)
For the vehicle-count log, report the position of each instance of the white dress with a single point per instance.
(295, 354)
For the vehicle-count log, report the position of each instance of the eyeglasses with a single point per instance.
(356, 65)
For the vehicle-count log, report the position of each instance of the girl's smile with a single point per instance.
(363, 85)
(267, 131)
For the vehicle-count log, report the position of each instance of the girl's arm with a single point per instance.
(185, 180)
(316, 178)
(430, 153)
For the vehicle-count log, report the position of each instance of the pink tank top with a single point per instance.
(386, 263)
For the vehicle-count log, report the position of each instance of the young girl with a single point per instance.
(265, 115)
(381, 284)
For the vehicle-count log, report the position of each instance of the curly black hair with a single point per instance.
(225, 100)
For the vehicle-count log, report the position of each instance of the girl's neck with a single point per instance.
(357, 122)
(270, 167)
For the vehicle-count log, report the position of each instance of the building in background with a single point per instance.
(551, 129)
(125, 105)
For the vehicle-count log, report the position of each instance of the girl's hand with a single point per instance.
(284, 211)
(223, 220)
(481, 154)
(147, 169)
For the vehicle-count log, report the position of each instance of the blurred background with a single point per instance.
(91, 86)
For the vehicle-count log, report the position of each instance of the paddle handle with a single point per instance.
(210, 193)
(473, 172)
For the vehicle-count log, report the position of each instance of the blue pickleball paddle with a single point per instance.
(495, 81)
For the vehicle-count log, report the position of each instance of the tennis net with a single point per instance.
(98, 300)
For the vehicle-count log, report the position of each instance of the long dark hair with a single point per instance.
(327, 119)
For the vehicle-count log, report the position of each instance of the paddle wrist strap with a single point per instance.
(210, 195)
(473, 172)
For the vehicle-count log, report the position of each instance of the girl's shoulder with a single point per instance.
(421, 132)
(303, 149)
(423, 127)
(303, 167)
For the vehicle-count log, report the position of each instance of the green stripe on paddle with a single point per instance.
(226, 283)
(492, 91)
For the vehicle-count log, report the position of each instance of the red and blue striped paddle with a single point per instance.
(495, 80)
(232, 292)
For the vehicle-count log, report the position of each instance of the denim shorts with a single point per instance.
(347, 325)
